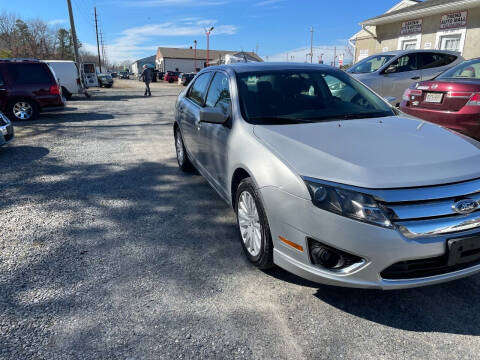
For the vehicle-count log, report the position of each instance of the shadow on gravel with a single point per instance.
(21, 154)
(59, 118)
(447, 308)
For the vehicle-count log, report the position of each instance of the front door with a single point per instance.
(400, 75)
(213, 138)
(189, 114)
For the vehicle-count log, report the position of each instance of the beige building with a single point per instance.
(429, 24)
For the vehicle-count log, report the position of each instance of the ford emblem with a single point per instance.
(465, 206)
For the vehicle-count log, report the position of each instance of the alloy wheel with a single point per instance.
(249, 223)
(179, 148)
(23, 110)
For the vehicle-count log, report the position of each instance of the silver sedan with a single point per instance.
(330, 182)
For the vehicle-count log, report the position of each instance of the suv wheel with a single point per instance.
(182, 158)
(253, 226)
(22, 110)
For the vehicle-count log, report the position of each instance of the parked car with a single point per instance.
(342, 193)
(390, 73)
(186, 78)
(171, 76)
(28, 87)
(114, 74)
(6, 130)
(451, 100)
(66, 73)
(124, 75)
(161, 74)
(105, 80)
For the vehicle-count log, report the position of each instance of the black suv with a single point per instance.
(28, 87)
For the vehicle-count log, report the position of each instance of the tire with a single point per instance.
(108, 86)
(182, 158)
(22, 110)
(259, 249)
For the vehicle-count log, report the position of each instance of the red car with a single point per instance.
(451, 100)
(28, 87)
(171, 76)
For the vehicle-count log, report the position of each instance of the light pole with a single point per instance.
(311, 45)
(195, 55)
(208, 32)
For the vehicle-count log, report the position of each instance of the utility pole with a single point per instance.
(208, 32)
(256, 49)
(75, 45)
(195, 55)
(98, 43)
(335, 56)
(311, 45)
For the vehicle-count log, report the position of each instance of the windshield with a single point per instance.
(371, 64)
(296, 96)
(466, 70)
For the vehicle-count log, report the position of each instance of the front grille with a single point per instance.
(423, 268)
(431, 211)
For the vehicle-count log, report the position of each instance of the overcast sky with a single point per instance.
(135, 28)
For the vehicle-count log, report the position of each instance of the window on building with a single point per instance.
(409, 44)
(199, 89)
(219, 93)
(450, 42)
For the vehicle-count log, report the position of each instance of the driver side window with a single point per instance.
(219, 93)
(403, 64)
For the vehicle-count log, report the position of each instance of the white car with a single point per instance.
(67, 74)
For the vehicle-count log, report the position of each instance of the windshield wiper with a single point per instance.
(279, 119)
(354, 116)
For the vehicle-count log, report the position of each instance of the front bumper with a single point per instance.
(297, 219)
(6, 134)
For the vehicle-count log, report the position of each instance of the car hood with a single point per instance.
(381, 153)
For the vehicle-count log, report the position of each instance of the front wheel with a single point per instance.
(253, 226)
(182, 158)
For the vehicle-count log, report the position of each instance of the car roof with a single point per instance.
(404, 52)
(270, 66)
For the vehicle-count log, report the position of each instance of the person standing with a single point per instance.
(147, 79)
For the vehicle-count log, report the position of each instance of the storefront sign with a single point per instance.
(454, 20)
(411, 27)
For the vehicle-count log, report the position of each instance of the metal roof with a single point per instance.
(426, 7)
(179, 53)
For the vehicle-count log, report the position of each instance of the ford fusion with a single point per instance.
(330, 182)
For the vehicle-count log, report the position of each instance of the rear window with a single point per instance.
(30, 74)
(433, 60)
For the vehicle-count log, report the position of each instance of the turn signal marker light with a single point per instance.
(291, 243)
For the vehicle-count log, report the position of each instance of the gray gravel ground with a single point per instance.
(107, 251)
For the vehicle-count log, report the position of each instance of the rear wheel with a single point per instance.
(253, 226)
(182, 158)
(22, 109)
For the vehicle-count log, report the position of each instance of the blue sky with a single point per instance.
(135, 28)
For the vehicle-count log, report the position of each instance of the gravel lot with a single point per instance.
(107, 251)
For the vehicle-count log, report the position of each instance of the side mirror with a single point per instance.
(390, 70)
(213, 115)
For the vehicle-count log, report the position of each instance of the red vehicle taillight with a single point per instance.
(411, 92)
(55, 90)
(474, 100)
(78, 81)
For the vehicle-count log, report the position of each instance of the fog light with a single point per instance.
(330, 258)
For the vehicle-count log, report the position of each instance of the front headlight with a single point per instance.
(348, 203)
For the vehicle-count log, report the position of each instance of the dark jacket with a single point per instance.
(147, 75)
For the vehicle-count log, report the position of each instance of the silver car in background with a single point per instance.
(390, 73)
(6, 129)
(338, 189)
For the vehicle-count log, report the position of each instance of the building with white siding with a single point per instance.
(183, 60)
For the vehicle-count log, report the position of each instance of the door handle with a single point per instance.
(198, 124)
(416, 78)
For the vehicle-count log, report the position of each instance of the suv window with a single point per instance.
(432, 60)
(219, 93)
(199, 88)
(405, 63)
(30, 74)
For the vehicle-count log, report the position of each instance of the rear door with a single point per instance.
(399, 75)
(433, 64)
(213, 138)
(189, 113)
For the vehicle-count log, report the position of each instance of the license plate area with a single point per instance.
(463, 250)
(435, 98)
